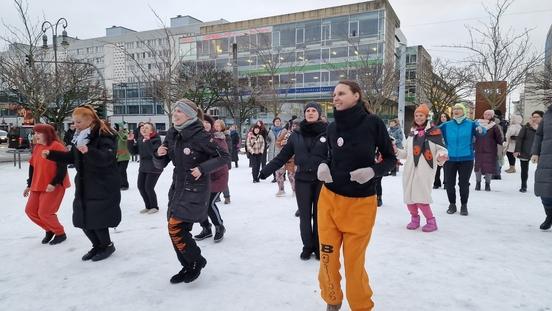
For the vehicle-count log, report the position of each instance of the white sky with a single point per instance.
(431, 23)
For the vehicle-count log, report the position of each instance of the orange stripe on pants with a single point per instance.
(42, 208)
(347, 221)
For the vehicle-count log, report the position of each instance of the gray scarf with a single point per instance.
(185, 124)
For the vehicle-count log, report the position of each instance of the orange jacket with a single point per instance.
(44, 170)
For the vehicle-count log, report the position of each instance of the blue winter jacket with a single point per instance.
(459, 139)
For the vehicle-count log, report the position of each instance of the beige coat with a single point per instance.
(418, 180)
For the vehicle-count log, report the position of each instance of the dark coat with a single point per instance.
(524, 141)
(230, 150)
(235, 137)
(192, 147)
(219, 178)
(309, 145)
(68, 136)
(146, 149)
(486, 150)
(542, 146)
(97, 183)
(353, 140)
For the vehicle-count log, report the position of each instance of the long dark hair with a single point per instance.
(439, 122)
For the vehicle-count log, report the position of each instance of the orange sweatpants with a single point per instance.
(347, 221)
(42, 208)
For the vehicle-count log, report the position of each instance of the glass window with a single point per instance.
(264, 40)
(133, 109)
(338, 75)
(312, 55)
(243, 43)
(220, 46)
(312, 77)
(245, 61)
(338, 52)
(299, 80)
(160, 109)
(222, 63)
(286, 79)
(286, 57)
(325, 77)
(300, 56)
(287, 36)
(160, 126)
(325, 55)
(300, 35)
(276, 39)
(353, 29)
(312, 32)
(369, 27)
(147, 109)
(326, 32)
(118, 109)
(340, 28)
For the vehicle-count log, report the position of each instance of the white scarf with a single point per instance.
(81, 138)
(486, 123)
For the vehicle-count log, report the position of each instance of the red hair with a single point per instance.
(48, 131)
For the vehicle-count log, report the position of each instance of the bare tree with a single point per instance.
(248, 101)
(499, 54)
(539, 84)
(445, 85)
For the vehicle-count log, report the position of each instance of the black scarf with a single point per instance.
(350, 118)
(312, 129)
(420, 143)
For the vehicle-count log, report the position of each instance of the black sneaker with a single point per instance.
(91, 253)
(124, 188)
(478, 186)
(104, 252)
(297, 213)
(523, 190)
(451, 209)
(179, 277)
(58, 239)
(380, 202)
(547, 224)
(436, 187)
(205, 233)
(487, 186)
(464, 210)
(305, 254)
(219, 233)
(317, 255)
(49, 235)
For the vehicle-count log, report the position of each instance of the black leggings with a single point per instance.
(511, 158)
(377, 181)
(122, 165)
(524, 173)
(464, 170)
(213, 211)
(98, 237)
(184, 245)
(306, 194)
(255, 165)
(146, 186)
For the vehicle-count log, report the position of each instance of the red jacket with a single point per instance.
(44, 170)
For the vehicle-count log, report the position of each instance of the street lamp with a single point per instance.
(54, 27)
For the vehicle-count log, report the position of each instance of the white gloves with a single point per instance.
(362, 175)
(324, 174)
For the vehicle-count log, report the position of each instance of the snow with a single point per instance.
(494, 259)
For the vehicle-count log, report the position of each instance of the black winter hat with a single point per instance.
(314, 105)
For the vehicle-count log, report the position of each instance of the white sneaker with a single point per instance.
(153, 211)
(281, 193)
(145, 210)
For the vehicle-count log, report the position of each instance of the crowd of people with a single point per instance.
(334, 170)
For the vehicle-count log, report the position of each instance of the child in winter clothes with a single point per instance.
(423, 152)
(97, 183)
(148, 174)
(289, 167)
(46, 185)
(256, 147)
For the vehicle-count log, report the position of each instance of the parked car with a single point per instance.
(3, 136)
(20, 137)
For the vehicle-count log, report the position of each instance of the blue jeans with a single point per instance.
(547, 202)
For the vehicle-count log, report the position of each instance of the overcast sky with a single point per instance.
(432, 23)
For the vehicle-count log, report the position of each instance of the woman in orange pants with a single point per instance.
(347, 204)
(46, 185)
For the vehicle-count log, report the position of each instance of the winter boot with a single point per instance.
(512, 169)
(104, 252)
(58, 239)
(451, 209)
(179, 277)
(219, 233)
(281, 193)
(49, 235)
(194, 270)
(464, 210)
(227, 200)
(91, 253)
(333, 307)
(478, 186)
(380, 201)
(205, 233)
(317, 255)
(548, 221)
(414, 223)
(430, 226)
(487, 186)
(153, 210)
(297, 213)
(144, 211)
(305, 254)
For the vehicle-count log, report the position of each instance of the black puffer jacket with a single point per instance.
(97, 183)
(353, 140)
(192, 147)
(309, 145)
(542, 146)
(524, 141)
(146, 149)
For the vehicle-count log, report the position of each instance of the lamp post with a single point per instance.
(54, 27)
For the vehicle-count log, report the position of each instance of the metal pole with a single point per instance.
(235, 75)
(402, 81)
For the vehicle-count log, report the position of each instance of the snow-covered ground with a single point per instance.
(494, 259)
